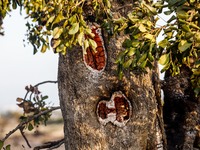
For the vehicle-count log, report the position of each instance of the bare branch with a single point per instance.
(50, 145)
(22, 133)
(44, 82)
(21, 124)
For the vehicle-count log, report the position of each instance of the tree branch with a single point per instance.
(44, 82)
(50, 145)
(21, 124)
(22, 133)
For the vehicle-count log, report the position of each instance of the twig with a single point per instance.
(44, 82)
(22, 133)
(21, 124)
(50, 145)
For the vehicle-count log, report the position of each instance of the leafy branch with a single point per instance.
(20, 126)
(36, 105)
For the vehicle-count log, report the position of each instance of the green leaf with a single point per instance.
(171, 19)
(93, 44)
(127, 43)
(131, 51)
(150, 56)
(124, 26)
(50, 20)
(57, 32)
(163, 43)
(85, 46)
(135, 44)
(197, 91)
(8, 147)
(45, 97)
(197, 36)
(168, 12)
(196, 71)
(143, 64)
(164, 59)
(183, 45)
(165, 68)
(74, 28)
(142, 28)
(80, 38)
(186, 28)
(120, 57)
(149, 36)
(1, 144)
(127, 63)
(182, 14)
(119, 20)
(142, 58)
(150, 8)
(44, 48)
(30, 127)
(14, 4)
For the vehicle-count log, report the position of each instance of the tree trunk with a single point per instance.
(102, 112)
(80, 91)
(181, 112)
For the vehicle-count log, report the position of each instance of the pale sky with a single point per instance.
(19, 67)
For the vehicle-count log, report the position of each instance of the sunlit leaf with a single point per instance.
(196, 71)
(184, 45)
(74, 28)
(44, 48)
(142, 28)
(50, 20)
(131, 51)
(149, 36)
(93, 44)
(124, 26)
(127, 63)
(86, 45)
(57, 32)
(142, 58)
(163, 43)
(80, 38)
(164, 59)
(197, 36)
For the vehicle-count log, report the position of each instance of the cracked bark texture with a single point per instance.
(181, 112)
(80, 90)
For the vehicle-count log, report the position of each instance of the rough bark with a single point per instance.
(80, 91)
(181, 112)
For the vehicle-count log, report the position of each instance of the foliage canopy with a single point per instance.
(63, 24)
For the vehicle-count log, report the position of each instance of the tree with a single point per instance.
(108, 79)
